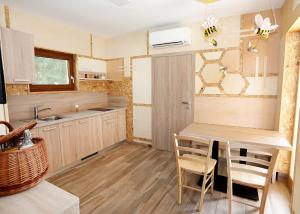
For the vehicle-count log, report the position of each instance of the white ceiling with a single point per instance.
(105, 18)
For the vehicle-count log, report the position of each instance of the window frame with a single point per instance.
(39, 52)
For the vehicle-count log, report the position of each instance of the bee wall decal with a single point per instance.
(264, 26)
(210, 28)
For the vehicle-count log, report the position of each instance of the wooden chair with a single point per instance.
(256, 173)
(197, 161)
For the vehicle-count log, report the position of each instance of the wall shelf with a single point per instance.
(93, 79)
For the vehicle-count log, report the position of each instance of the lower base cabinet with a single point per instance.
(51, 135)
(68, 138)
(88, 136)
(71, 141)
(110, 135)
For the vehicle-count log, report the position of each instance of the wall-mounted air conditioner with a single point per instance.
(170, 37)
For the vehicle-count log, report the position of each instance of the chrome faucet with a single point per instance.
(37, 111)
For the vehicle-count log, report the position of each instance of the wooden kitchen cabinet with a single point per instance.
(18, 57)
(68, 137)
(98, 128)
(115, 69)
(88, 138)
(110, 129)
(121, 126)
(70, 141)
(51, 135)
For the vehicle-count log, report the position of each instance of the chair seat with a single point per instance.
(195, 163)
(246, 178)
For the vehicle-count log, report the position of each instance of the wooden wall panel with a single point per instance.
(246, 112)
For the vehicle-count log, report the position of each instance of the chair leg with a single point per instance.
(263, 200)
(179, 185)
(212, 184)
(229, 196)
(202, 192)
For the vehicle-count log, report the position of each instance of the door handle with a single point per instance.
(188, 104)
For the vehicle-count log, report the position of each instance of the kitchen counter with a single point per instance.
(68, 117)
(43, 198)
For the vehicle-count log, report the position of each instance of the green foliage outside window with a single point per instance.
(52, 71)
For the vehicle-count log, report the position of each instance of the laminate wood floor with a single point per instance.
(134, 178)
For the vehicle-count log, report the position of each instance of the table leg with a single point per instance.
(243, 152)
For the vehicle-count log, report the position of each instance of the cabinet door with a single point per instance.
(18, 56)
(110, 132)
(115, 69)
(97, 126)
(121, 126)
(51, 136)
(68, 138)
(87, 137)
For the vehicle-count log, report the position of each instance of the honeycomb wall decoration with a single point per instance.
(211, 80)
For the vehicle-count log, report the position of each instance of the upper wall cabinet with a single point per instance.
(18, 56)
(115, 69)
(91, 65)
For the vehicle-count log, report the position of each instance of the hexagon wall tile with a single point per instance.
(211, 73)
(215, 55)
(232, 65)
(233, 84)
(198, 84)
(199, 62)
(262, 86)
(212, 90)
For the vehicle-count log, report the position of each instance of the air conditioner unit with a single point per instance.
(170, 37)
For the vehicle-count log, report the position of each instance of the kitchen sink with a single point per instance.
(101, 109)
(51, 118)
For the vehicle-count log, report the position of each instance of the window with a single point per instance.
(54, 71)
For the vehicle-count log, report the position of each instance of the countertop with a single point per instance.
(68, 117)
(43, 198)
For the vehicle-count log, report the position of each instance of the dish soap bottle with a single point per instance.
(27, 141)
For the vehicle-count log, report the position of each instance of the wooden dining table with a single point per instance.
(234, 134)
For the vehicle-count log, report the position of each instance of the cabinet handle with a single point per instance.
(22, 80)
(83, 121)
(49, 129)
(67, 125)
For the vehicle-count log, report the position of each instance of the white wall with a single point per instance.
(54, 35)
(132, 44)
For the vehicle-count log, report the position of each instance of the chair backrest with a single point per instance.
(201, 147)
(263, 167)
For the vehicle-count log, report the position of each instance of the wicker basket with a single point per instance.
(23, 169)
